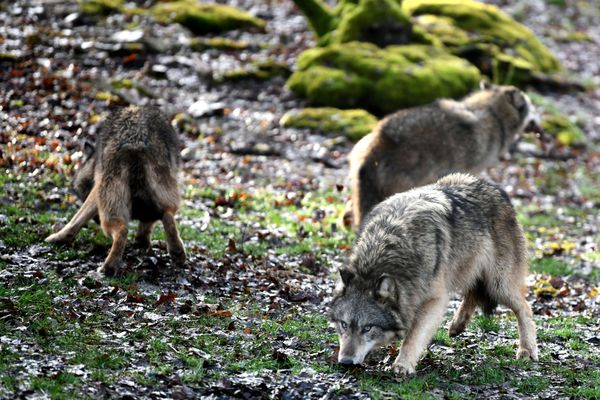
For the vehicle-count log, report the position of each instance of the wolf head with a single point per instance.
(513, 105)
(362, 315)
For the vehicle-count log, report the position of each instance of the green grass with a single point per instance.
(266, 222)
(60, 386)
(551, 266)
(297, 223)
(486, 323)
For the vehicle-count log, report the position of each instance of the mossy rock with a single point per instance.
(259, 70)
(555, 123)
(381, 22)
(496, 42)
(353, 124)
(442, 28)
(200, 44)
(362, 75)
(100, 7)
(201, 18)
(566, 132)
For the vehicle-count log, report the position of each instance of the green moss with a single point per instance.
(564, 130)
(362, 75)
(205, 18)
(320, 17)
(8, 57)
(443, 29)
(557, 124)
(120, 84)
(578, 37)
(375, 21)
(261, 70)
(497, 43)
(100, 7)
(351, 123)
(220, 43)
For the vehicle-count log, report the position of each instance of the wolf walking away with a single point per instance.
(417, 146)
(416, 248)
(131, 174)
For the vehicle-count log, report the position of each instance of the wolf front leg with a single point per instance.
(88, 210)
(427, 320)
(463, 314)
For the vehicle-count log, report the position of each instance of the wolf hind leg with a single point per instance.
(116, 228)
(428, 319)
(114, 209)
(144, 233)
(463, 314)
(88, 210)
(516, 301)
(174, 242)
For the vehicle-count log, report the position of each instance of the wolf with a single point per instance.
(459, 234)
(132, 173)
(419, 145)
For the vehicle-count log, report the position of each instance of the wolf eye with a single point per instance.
(367, 328)
(343, 324)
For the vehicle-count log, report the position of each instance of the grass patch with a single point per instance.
(551, 266)
(60, 386)
(487, 323)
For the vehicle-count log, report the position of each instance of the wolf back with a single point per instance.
(417, 146)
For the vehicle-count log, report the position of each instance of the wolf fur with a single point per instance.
(415, 249)
(419, 145)
(131, 174)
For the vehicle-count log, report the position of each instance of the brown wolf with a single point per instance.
(416, 146)
(131, 174)
(416, 248)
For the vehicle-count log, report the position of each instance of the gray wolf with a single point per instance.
(419, 145)
(415, 249)
(131, 174)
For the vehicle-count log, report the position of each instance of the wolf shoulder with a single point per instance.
(422, 123)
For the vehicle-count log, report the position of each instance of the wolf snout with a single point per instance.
(346, 361)
(534, 126)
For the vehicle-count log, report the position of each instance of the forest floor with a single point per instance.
(245, 316)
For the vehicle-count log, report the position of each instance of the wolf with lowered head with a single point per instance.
(133, 173)
(417, 248)
(417, 146)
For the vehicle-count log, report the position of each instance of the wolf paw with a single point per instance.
(456, 329)
(178, 256)
(58, 238)
(143, 244)
(403, 369)
(527, 354)
(109, 269)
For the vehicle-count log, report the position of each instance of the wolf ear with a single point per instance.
(386, 287)
(484, 85)
(347, 276)
(516, 98)
(88, 149)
